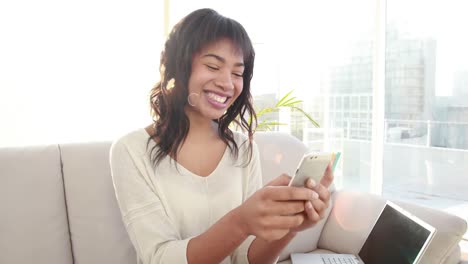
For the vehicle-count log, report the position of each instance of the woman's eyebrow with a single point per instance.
(221, 59)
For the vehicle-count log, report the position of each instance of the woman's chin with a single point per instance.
(212, 113)
(214, 116)
(208, 112)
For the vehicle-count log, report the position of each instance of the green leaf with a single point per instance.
(275, 123)
(292, 103)
(284, 98)
(287, 101)
(267, 110)
(267, 125)
(307, 115)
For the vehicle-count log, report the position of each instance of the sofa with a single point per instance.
(58, 206)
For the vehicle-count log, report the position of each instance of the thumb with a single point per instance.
(327, 178)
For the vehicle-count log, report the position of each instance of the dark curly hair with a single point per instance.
(189, 36)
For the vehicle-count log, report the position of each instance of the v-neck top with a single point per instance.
(164, 206)
(186, 171)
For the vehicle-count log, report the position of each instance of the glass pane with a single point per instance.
(426, 109)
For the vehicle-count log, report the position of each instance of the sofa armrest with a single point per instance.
(450, 230)
(354, 214)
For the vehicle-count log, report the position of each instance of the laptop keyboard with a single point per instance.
(339, 259)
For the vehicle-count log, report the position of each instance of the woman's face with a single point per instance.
(216, 79)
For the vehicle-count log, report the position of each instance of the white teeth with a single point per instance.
(217, 98)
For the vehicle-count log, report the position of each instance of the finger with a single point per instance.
(320, 207)
(282, 180)
(311, 212)
(323, 192)
(287, 208)
(286, 222)
(310, 183)
(286, 193)
(328, 177)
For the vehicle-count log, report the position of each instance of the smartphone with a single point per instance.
(335, 158)
(312, 165)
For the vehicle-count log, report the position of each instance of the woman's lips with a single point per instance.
(217, 100)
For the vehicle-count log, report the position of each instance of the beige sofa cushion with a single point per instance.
(33, 222)
(97, 232)
(444, 247)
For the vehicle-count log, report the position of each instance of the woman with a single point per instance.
(188, 187)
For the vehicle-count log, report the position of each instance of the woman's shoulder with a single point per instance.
(135, 141)
(242, 140)
(240, 137)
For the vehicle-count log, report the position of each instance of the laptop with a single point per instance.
(397, 237)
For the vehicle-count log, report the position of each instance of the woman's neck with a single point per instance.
(201, 127)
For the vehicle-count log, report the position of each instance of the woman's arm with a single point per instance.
(218, 242)
(268, 214)
(261, 251)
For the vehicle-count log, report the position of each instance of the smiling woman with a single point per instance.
(190, 188)
(217, 77)
(211, 63)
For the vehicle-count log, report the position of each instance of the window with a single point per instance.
(426, 149)
(331, 69)
(69, 75)
(76, 71)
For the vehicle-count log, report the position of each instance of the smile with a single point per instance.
(217, 98)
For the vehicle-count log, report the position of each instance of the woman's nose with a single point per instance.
(224, 81)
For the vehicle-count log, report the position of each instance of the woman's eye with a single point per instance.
(238, 74)
(214, 68)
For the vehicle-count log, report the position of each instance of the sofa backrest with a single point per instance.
(48, 186)
(97, 231)
(279, 153)
(33, 215)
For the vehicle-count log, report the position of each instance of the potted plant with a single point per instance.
(288, 101)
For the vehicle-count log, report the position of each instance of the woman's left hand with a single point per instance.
(315, 209)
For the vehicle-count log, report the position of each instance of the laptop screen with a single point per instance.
(395, 238)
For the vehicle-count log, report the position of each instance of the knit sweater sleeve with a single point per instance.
(153, 234)
(254, 183)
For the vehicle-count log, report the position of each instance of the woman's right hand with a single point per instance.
(272, 211)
